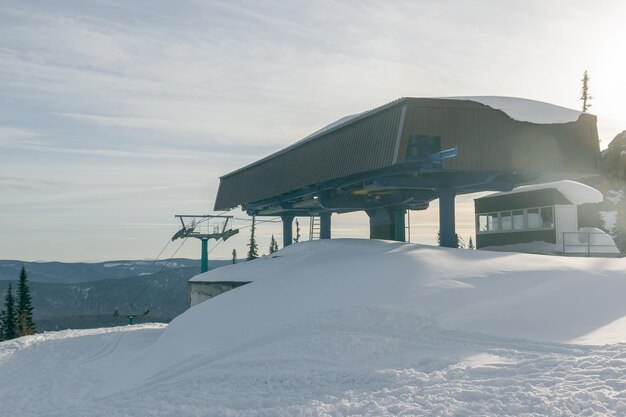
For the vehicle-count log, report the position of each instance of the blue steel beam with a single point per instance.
(413, 197)
(325, 225)
(204, 263)
(447, 232)
(287, 230)
(409, 175)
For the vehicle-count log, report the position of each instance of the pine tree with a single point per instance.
(234, 256)
(9, 317)
(297, 238)
(470, 245)
(460, 243)
(273, 245)
(25, 323)
(253, 251)
(3, 315)
(585, 97)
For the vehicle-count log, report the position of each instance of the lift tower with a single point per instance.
(205, 227)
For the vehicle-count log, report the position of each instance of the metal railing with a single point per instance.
(589, 243)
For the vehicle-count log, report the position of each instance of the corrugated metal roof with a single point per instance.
(338, 124)
(361, 143)
(488, 140)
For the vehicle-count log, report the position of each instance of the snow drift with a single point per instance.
(355, 327)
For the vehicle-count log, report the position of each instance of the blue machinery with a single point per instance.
(385, 195)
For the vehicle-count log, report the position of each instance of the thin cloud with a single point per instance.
(11, 137)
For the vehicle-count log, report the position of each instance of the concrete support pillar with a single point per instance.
(204, 262)
(287, 230)
(447, 230)
(325, 225)
(387, 223)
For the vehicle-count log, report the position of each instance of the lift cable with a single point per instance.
(132, 316)
(161, 270)
(162, 250)
(273, 220)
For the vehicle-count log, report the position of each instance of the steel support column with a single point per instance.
(387, 223)
(447, 232)
(204, 263)
(287, 230)
(325, 225)
(399, 225)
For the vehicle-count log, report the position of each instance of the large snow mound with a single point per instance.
(526, 110)
(354, 327)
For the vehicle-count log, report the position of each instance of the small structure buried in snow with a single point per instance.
(555, 217)
(200, 291)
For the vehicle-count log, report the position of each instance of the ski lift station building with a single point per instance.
(556, 218)
(407, 153)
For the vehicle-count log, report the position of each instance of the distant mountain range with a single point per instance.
(84, 295)
(66, 273)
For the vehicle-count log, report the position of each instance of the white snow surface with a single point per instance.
(526, 110)
(352, 328)
(575, 192)
(537, 247)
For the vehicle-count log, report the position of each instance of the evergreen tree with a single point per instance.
(297, 238)
(459, 243)
(234, 256)
(253, 251)
(9, 318)
(273, 245)
(3, 315)
(584, 96)
(25, 323)
(470, 245)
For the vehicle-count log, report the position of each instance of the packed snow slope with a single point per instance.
(352, 327)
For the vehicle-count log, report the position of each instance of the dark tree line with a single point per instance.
(16, 318)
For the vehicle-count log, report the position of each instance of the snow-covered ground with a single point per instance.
(352, 327)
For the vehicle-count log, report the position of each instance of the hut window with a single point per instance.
(518, 219)
(534, 219)
(482, 223)
(507, 220)
(492, 222)
(547, 216)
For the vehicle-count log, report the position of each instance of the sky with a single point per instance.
(117, 115)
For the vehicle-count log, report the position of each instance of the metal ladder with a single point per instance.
(314, 228)
(407, 227)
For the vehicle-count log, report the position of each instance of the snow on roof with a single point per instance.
(520, 109)
(333, 125)
(575, 192)
(526, 110)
